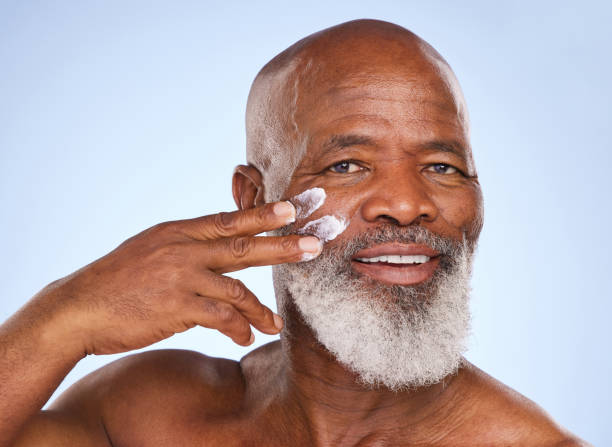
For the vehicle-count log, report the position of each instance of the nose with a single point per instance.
(399, 197)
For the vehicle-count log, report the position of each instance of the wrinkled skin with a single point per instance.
(395, 112)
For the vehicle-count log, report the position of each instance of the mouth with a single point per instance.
(397, 264)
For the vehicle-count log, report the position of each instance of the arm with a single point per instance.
(36, 353)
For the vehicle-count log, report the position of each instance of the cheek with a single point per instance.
(463, 211)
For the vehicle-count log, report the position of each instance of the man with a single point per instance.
(361, 170)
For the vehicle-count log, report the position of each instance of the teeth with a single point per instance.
(397, 259)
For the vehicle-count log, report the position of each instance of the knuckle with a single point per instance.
(154, 231)
(237, 291)
(158, 227)
(240, 246)
(262, 215)
(171, 226)
(223, 224)
(163, 227)
(243, 328)
(227, 315)
(210, 307)
(288, 244)
(160, 232)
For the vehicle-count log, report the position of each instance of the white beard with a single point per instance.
(399, 337)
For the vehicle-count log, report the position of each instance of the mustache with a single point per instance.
(389, 233)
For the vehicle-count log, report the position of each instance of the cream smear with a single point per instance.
(325, 228)
(308, 202)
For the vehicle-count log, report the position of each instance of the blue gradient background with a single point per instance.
(115, 116)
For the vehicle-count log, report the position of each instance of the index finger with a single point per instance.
(240, 223)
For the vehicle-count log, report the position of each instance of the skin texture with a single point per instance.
(366, 93)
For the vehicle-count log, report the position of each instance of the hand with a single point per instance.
(169, 278)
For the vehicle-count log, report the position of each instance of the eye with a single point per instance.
(345, 167)
(443, 168)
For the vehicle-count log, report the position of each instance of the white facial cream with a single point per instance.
(325, 228)
(308, 202)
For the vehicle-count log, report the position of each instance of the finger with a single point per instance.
(240, 223)
(234, 292)
(231, 254)
(223, 317)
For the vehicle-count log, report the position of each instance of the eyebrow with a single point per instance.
(338, 142)
(452, 146)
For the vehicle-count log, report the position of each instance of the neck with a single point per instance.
(340, 410)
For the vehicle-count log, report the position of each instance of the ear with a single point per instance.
(247, 187)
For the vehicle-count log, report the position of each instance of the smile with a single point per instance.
(397, 259)
(397, 264)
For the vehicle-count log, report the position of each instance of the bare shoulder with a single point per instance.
(170, 387)
(511, 417)
(171, 372)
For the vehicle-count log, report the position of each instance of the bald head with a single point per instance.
(315, 70)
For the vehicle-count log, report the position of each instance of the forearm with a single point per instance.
(36, 353)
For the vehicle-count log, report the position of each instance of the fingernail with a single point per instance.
(278, 322)
(310, 244)
(252, 339)
(285, 209)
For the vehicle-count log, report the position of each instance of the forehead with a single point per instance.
(410, 101)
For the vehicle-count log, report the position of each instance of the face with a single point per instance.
(390, 147)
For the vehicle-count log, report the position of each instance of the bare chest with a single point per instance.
(239, 430)
(225, 431)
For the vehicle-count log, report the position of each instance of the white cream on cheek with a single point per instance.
(325, 228)
(307, 202)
